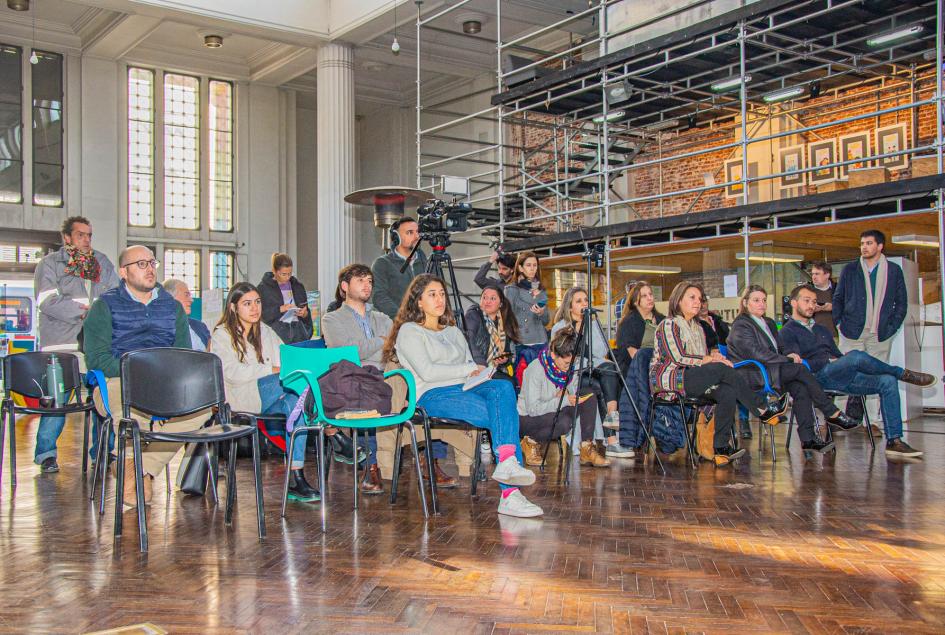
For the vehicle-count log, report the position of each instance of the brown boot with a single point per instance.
(372, 483)
(129, 496)
(591, 456)
(531, 450)
(443, 480)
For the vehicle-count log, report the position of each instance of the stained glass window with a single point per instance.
(181, 151)
(140, 147)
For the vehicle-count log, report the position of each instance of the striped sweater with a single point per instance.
(672, 355)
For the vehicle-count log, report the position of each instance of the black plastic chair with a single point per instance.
(25, 374)
(829, 435)
(167, 383)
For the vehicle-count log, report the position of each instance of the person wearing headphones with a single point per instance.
(389, 283)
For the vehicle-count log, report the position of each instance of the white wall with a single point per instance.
(99, 134)
(307, 197)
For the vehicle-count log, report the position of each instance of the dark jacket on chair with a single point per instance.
(668, 429)
(746, 340)
(271, 295)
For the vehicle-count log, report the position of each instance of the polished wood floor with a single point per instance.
(851, 544)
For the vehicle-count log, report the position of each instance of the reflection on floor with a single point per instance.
(853, 543)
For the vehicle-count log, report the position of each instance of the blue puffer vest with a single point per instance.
(136, 326)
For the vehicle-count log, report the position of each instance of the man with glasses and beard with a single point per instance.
(137, 314)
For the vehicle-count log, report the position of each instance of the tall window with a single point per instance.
(181, 151)
(221, 156)
(11, 128)
(184, 264)
(140, 147)
(47, 129)
(221, 269)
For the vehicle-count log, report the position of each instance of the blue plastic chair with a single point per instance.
(767, 390)
(301, 368)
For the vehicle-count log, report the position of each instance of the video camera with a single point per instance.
(436, 217)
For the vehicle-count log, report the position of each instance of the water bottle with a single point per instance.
(54, 383)
(314, 309)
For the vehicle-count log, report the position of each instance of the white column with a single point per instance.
(335, 153)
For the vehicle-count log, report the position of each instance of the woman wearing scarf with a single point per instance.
(492, 331)
(542, 385)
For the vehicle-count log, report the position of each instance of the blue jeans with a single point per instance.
(859, 373)
(47, 434)
(490, 405)
(275, 400)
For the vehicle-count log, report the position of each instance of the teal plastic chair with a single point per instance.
(301, 368)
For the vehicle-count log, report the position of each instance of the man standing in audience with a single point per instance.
(856, 372)
(504, 264)
(137, 314)
(199, 332)
(65, 283)
(356, 323)
(820, 275)
(870, 302)
(390, 283)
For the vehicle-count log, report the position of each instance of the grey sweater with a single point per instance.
(341, 328)
(531, 327)
(60, 297)
(539, 396)
(390, 284)
(436, 358)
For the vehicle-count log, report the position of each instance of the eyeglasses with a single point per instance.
(142, 264)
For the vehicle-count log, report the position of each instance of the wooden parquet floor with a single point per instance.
(844, 545)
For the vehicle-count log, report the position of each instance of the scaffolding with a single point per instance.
(586, 128)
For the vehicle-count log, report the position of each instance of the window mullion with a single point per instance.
(26, 186)
(157, 139)
(204, 136)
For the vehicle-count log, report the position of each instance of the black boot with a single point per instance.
(818, 446)
(343, 448)
(842, 421)
(300, 490)
(745, 427)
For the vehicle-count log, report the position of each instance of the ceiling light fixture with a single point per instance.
(471, 27)
(645, 268)
(892, 36)
(619, 92)
(395, 45)
(729, 84)
(613, 115)
(213, 41)
(662, 125)
(916, 240)
(783, 94)
(772, 257)
(18, 5)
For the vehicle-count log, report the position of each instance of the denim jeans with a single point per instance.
(47, 434)
(859, 373)
(276, 400)
(490, 405)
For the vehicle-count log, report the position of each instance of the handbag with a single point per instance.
(705, 435)
(195, 472)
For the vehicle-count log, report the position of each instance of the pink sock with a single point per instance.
(505, 451)
(508, 492)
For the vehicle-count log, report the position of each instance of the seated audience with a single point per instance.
(603, 371)
(249, 351)
(282, 293)
(529, 302)
(682, 363)
(425, 340)
(356, 323)
(199, 333)
(716, 329)
(855, 373)
(504, 264)
(137, 314)
(637, 327)
(755, 336)
(542, 385)
(492, 331)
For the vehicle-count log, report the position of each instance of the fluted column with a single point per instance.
(335, 153)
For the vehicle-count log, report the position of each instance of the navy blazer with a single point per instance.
(201, 330)
(849, 302)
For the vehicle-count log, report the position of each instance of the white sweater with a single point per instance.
(242, 391)
(436, 358)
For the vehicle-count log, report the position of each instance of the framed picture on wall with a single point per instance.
(822, 153)
(790, 165)
(733, 172)
(892, 139)
(854, 146)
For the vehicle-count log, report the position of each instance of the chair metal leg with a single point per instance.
(690, 446)
(477, 463)
(354, 443)
(121, 440)
(288, 468)
(428, 451)
(230, 484)
(322, 460)
(167, 479)
(398, 453)
(85, 441)
(866, 422)
(139, 490)
(210, 456)
(260, 512)
(101, 465)
(416, 452)
(11, 413)
(3, 432)
(790, 429)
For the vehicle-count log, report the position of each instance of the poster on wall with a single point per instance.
(822, 153)
(733, 172)
(892, 139)
(854, 146)
(790, 165)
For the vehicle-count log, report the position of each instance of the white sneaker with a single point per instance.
(515, 504)
(612, 420)
(511, 472)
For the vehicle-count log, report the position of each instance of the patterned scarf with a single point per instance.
(558, 377)
(496, 336)
(83, 265)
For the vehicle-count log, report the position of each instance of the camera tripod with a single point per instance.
(439, 257)
(582, 361)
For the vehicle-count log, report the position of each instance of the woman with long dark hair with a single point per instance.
(425, 340)
(283, 294)
(249, 351)
(529, 301)
(492, 331)
(753, 335)
(682, 363)
(637, 327)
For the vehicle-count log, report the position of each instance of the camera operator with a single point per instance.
(390, 283)
(504, 264)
